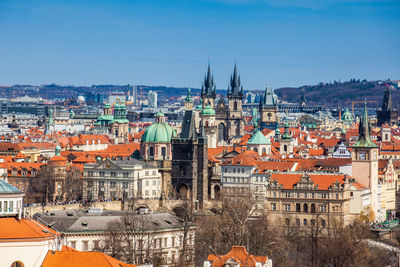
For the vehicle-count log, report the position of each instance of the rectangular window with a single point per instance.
(153, 193)
(90, 173)
(126, 174)
(90, 184)
(323, 195)
(96, 245)
(351, 194)
(112, 184)
(85, 245)
(101, 174)
(146, 193)
(72, 244)
(101, 183)
(154, 172)
(125, 185)
(286, 207)
(113, 174)
(154, 182)
(337, 196)
(146, 173)
(146, 183)
(273, 206)
(312, 195)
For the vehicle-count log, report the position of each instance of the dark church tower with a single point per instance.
(268, 110)
(189, 162)
(208, 89)
(387, 114)
(235, 100)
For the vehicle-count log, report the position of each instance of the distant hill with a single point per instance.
(337, 93)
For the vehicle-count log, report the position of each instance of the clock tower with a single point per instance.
(268, 110)
(365, 163)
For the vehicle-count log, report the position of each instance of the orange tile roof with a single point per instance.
(265, 166)
(240, 255)
(288, 180)
(13, 229)
(247, 158)
(69, 257)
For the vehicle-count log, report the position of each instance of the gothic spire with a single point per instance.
(387, 99)
(364, 139)
(208, 87)
(235, 88)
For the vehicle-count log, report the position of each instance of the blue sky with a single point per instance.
(276, 42)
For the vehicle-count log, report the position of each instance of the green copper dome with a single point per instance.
(159, 114)
(158, 133)
(258, 139)
(208, 111)
(347, 116)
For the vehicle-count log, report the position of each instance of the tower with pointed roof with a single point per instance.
(387, 114)
(365, 162)
(189, 100)
(120, 124)
(208, 89)
(190, 160)
(235, 101)
(268, 110)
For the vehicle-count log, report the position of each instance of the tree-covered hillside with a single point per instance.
(337, 93)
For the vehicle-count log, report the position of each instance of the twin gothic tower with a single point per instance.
(229, 122)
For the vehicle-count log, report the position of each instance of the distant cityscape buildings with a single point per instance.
(152, 99)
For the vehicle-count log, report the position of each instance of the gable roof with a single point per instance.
(69, 257)
(13, 229)
(238, 254)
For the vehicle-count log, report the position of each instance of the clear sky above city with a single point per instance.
(276, 42)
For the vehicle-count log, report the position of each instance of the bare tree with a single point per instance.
(42, 187)
(73, 185)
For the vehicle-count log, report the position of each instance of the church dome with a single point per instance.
(258, 139)
(347, 116)
(208, 111)
(159, 132)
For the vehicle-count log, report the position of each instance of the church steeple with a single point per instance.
(235, 88)
(364, 139)
(387, 99)
(208, 88)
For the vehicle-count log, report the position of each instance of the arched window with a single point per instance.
(163, 151)
(305, 207)
(285, 148)
(235, 106)
(312, 222)
(305, 222)
(313, 208)
(298, 207)
(323, 223)
(17, 264)
(264, 150)
(298, 222)
(255, 149)
(287, 221)
(151, 151)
